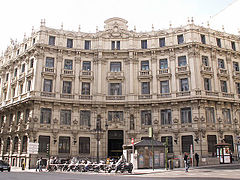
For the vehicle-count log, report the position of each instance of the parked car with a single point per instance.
(4, 166)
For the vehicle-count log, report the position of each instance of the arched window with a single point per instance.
(24, 144)
(15, 145)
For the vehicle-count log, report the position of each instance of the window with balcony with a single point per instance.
(210, 116)
(226, 116)
(85, 88)
(182, 61)
(51, 40)
(115, 67)
(233, 46)
(84, 145)
(166, 116)
(170, 142)
(69, 43)
(115, 116)
(164, 87)
(223, 86)
(46, 116)
(85, 118)
(67, 87)
(64, 144)
(49, 62)
(68, 64)
(203, 38)
(221, 64)
(47, 85)
(180, 39)
(163, 63)
(115, 89)
(144, 65)
(145, 87)
(87, 45)
(146, 117)
(86, 66)
(205, 61)
(186, 115)
(207, 84)
(161, 42)
(23, 68)
(15, 72)
(29, 85)
(184, 84)
(44, 141)
(144, 44)
(115, 45)
(218, 42)
(235, 66)
(65, 117)
(238, 88)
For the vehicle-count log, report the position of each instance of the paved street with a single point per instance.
(222, 172)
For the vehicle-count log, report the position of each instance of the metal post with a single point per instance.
(97, 145)
(152, 154)
(166, 152)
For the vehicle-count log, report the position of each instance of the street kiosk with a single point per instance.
(223, 153)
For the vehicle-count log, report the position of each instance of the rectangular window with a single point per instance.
(15, 72)
(163, 63)
(64, 144)
(67, 87)
(65, 117)
(205, 61)
(144, 44)
(132, 123)
(203, 39)
(46, 115)
(226, 116)
(207, 84)
(166, 116)
(23, 68)
(47, 86)
(18, 117)
(49, 62)
(184, 84)
(146, 117)
(85, 88)
(10, 119)
(170, 143)
(233, 46)
(229, 139)
(7, 76)
(85, 118)
(25, 46)
(238, 88)
(115, 45)
(145, 87)
(86, 66)
(87, 45)
(161, 42)
(221, 64)
(210, 117)
(218, 42)
(212, 141)
(223, 86)
(29, 85)
(144, 65)
(115, 116)
(115, 89)
(51, 40)
(186, 115)
(84, 145)
(180, 39)
(235, 66)
(69, 43)
(164, 87)
(187, 141)
(115, 67)
(31, 63)
(68, 64)
(34, 40)
(27, 113)
(182, 61)
(44, 141)
(21, 88)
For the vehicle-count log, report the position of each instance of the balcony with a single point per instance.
(145, 74)
(67, 73)
(184, 93)
(210, 93)
(228, 95)
(21, 77)
(115, 76)
(13, 80)
(163, 73)
(236, 75)
(182, 70)
(117, 97)
(164, 95)
(86, 74)
(206, 70)
(145, 96)
(49, 71)
(67, 96)
(85, 97)
(222, 72)
(48, 94)
(30, 72)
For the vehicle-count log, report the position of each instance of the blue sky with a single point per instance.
(18, 17)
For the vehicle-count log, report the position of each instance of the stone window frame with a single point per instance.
(65, 117)
(68, 64)
(207, 85)
(226, 113)
(85, 89)
(45, 113)
(186, 115)
(51, 86)
(84, 145)
(146, 117)
(48, 63)
(69, 43)
(85, 118)
(163, 59)
(145, 65)
(115, 116)
(144, 44)
(115, 45)
(86, 64)
(161, 87)
(223, 86)
(162, 42)
(180, 39)
(181, 87)
(115, 66)
(148, 89)
(64, 144)
(87, 44)
(52, 40)
(67, 87)
(164, 113)
(210, 115)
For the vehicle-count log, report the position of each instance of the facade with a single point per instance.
(87, 94)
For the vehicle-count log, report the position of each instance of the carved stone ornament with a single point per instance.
(35, 119)
(175, 120)
(219, 119)
(195, 119)
(75, 122)
(55, 120)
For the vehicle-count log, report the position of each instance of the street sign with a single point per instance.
(33, 148)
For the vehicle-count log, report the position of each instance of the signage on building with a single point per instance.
(33, 148)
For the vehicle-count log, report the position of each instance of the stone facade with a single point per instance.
(67, 90)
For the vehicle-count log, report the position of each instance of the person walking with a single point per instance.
(197, 159)
(186, 162)
(40, 164)
(37, 165)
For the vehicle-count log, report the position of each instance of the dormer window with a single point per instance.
(51, 40)
(115, 45)
(180, 39)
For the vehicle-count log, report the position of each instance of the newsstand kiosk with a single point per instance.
(223, 153)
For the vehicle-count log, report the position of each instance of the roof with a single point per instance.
(147, 142)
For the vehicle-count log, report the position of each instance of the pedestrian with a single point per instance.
(40, 164)
(231, 157)
(186, 162)
(197, 158)
(37, 165)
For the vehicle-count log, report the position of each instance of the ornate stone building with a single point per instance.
(87, 94)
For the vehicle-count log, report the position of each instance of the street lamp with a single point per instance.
(98, 128)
